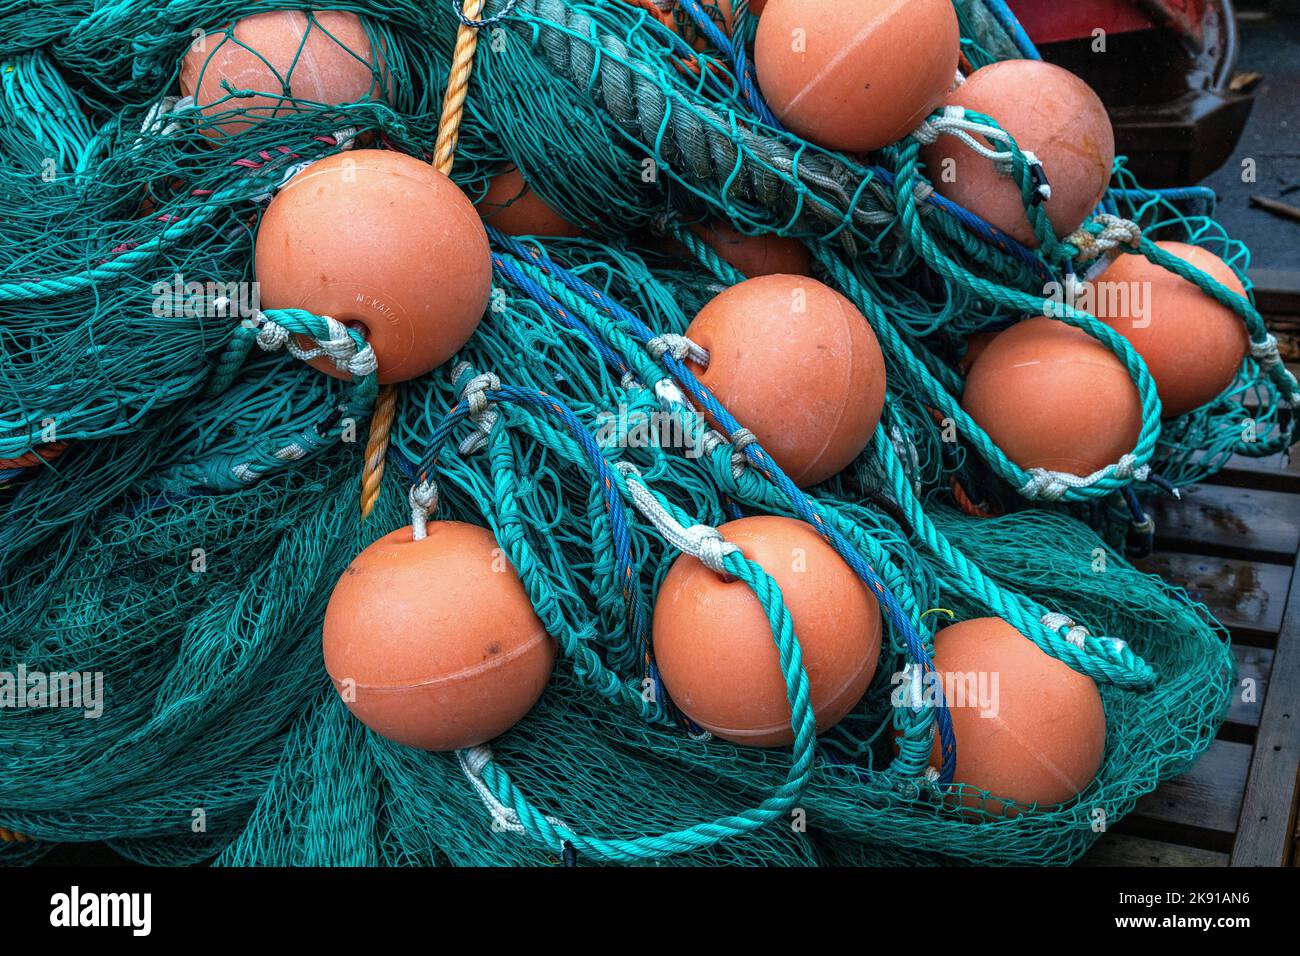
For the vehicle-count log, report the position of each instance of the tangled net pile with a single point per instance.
(179, 498)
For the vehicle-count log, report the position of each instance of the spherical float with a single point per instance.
(1193, 345)
(385, 242)
(793, 361)
(1035, 731)
(511, 206)
(755, 256)
(856, 75)
(1048, 111)
(715, 650)
(433, 643)
(1051, 396)
(279, 57)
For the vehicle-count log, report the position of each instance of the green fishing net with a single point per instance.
(180, 493)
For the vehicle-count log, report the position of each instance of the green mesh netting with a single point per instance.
(178, 502)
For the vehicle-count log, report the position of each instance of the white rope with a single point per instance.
(423, 498)
(680, 347)
(1077, 634)
(700, 541)
(339, 347)
(482, 412)
(953, 122)
(157, 122)
(1047, 485)
(472, 761)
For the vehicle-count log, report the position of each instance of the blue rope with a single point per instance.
(739, 60)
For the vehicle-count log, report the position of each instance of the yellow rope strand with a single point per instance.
(444, 154)
(11, 836)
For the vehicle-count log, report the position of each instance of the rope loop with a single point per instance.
(700, 541)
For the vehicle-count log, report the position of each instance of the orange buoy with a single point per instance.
(856, 75)
(279, 57)
(976, 343)
(1035, 730)
(1048, 111)
(1051, 396)
(755, 256)
(715, 650)
(512, 207)
(794, 362)
(433, 643)
(1191, 343)
(383, 240)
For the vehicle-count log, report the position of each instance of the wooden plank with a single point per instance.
(1247, 596)
(1277, 290)
(1268, 813)
(1279, 472)
(1253, 666)
(1229, 520)
(1123, 849)
(1206, 797)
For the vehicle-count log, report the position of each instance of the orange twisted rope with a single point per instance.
(12, 836)
(444, 154)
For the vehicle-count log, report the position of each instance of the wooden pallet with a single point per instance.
(1233, 544)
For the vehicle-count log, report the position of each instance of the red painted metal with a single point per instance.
(1050, 21)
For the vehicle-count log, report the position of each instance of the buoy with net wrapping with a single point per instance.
(279, 62)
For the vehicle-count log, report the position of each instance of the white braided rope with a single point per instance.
(1055, 621)
(157, 122)
(700, 541)
(339, 348)
(423, 498)
(680, 347)
(472, 761)
(482, 412)
(1045, 485)
(953, 122)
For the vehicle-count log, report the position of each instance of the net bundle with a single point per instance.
(180, 488)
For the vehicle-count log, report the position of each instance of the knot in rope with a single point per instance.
(1103, 234)
(1054, 485)
(679, 347)
(482, 411)
(1055, 621)
(701, 541)
(423, 498)
(156, 121)
(741, 439)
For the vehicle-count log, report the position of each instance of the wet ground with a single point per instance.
(1271, 46)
